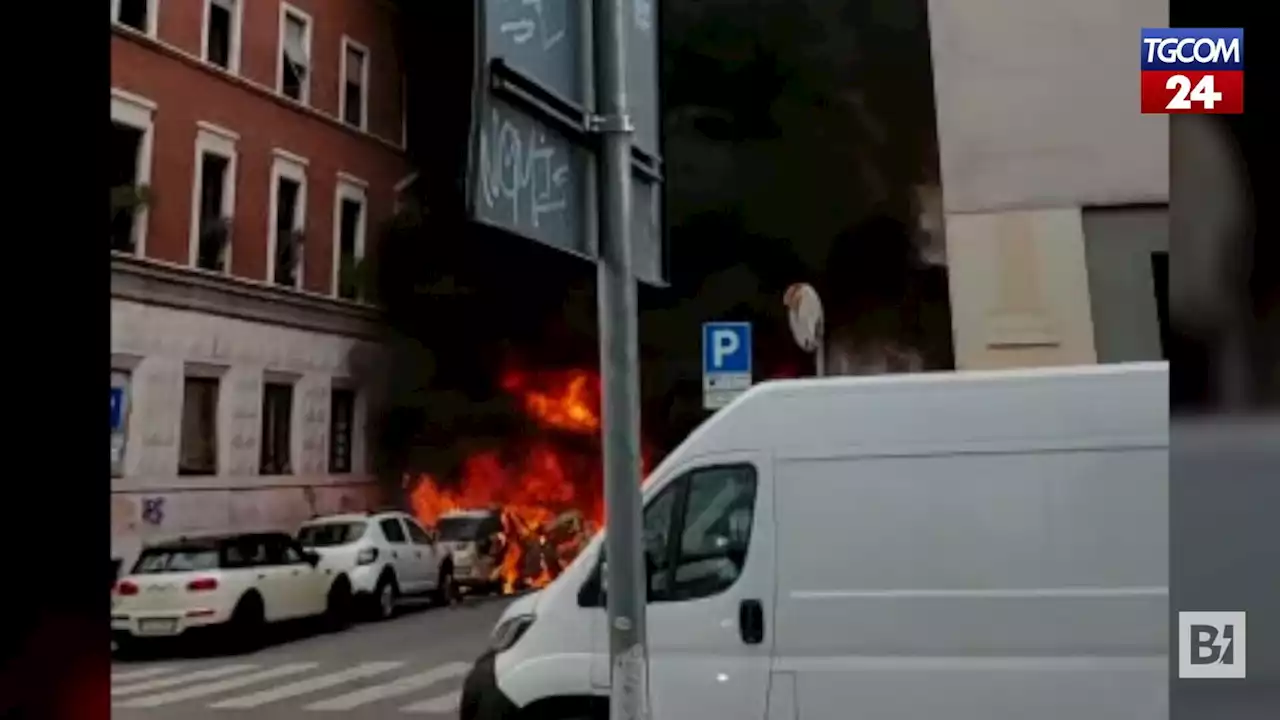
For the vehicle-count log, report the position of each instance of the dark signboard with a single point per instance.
(532, 153)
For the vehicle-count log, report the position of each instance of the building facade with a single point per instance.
(256, 147)
(1054, 186)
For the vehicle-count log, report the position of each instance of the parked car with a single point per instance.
(474, 539)
(384, 556)
(237, 582)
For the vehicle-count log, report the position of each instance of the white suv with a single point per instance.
(384, 555)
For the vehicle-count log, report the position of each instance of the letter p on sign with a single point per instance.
(1211, 645)
(723, 344)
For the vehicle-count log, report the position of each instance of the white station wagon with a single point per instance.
(236, 582)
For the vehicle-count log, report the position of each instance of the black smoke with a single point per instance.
(793, 132)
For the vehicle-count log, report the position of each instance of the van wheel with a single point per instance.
(385, 596)
(567, 709)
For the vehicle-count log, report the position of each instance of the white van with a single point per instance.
(958, 546)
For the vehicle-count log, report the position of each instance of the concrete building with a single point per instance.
(1055, 187)
(266, 139)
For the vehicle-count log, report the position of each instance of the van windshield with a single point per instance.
(330, 534)
(460, 529)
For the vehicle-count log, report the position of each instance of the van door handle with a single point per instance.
(751, 622)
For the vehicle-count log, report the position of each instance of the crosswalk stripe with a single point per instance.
(446, 703)
(302, 687)
(167, 682)
(213, 688)
(395, 688)
(134, 675)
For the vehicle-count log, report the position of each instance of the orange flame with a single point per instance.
(567, 400)
(535, 483)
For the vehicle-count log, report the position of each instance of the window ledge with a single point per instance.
(159, 283)
(124, 31)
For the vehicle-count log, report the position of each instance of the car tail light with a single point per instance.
(202, 585)
(124, 587)
(367, 556)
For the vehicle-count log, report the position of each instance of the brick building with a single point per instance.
(255, 148)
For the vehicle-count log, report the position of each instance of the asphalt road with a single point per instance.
(409, 666)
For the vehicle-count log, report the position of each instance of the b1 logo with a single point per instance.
(1184, 95)
(1211, 644)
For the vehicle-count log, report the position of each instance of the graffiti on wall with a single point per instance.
(153, 510)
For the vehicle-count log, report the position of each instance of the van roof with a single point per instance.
(1116, 403)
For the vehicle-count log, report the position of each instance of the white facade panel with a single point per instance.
(1038, 104)
(1038, 117)
(156, 347)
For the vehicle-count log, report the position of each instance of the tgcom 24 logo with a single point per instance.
(1193, 71)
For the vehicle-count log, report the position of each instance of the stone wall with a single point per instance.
(157, 347)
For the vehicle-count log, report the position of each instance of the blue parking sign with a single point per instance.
(726, 362)
(117, 408)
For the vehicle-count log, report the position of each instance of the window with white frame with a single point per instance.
(137, 14)
(288, 220)
(349, 228)
(130, 169)
(213, 199)
(222, 30)
(295, 54)
(355, 83)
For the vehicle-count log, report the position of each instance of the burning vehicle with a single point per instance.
(520, 513)
(476, 540)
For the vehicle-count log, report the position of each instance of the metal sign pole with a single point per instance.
(820, 353)
(619, 360)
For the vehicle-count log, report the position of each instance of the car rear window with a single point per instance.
(330, 534)
(175, 560)
(460, 528)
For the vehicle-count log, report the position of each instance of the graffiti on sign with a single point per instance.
(153, 510)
